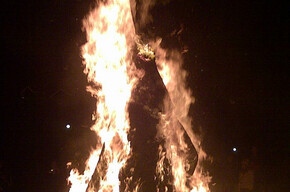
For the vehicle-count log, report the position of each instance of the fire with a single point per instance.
(176, 108)
(112, 75)
(107, 60)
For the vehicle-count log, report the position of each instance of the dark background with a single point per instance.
(237, 65)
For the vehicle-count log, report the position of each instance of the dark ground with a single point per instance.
(237, 64)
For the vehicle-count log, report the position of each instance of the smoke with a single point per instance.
(141, 13)
(145, 16)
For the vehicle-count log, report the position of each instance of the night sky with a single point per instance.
(237, 69)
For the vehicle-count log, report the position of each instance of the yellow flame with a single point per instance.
(108, 64)
(107, 59)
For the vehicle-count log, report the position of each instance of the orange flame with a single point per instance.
(176, 108)
(108, 64)
(107, 59)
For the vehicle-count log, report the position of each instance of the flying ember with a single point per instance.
(144, 136)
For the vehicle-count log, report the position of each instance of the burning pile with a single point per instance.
(145, 140)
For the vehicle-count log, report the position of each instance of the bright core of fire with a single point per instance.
(111, 73)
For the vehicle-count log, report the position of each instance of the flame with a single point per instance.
(107, 57)
(176, 108)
